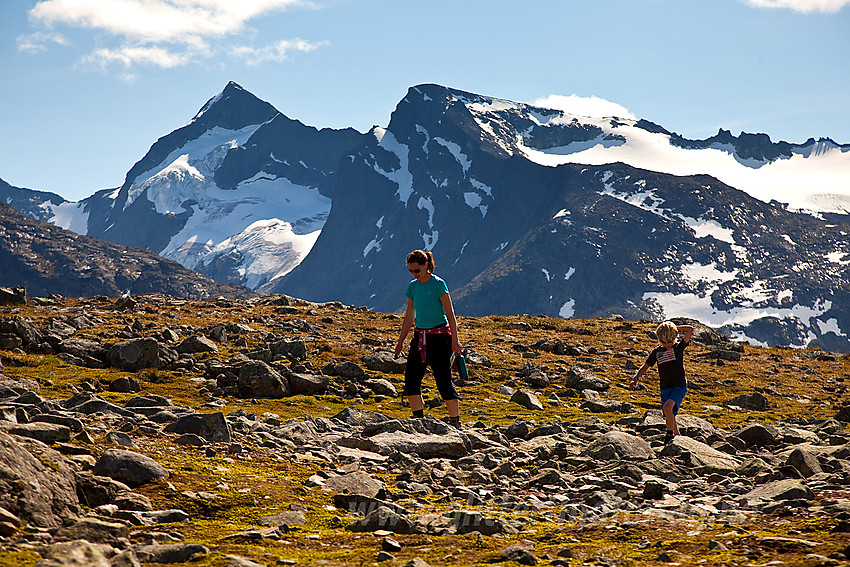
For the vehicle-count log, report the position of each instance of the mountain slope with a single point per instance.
(49, 259)
(454, 173)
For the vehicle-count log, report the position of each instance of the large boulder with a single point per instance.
(700, 456)
(133, 469)
(308, 384)
(787, 489)
(212, 426)
(36, 483)
(423, 445)
(259, 380)
(616, 445)
(527, 399)
(134, 355)
(197, 345)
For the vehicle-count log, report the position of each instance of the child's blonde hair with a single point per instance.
(667, 332)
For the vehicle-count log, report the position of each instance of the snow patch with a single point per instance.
(401, 176)
(567, 310)
(69, 216)
(455, 150)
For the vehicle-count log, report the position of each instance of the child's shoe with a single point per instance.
(669, 437)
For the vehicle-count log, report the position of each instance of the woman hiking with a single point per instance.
(429, 308)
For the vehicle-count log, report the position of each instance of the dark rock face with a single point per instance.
(47, 259)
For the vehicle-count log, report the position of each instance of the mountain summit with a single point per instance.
(240, 193)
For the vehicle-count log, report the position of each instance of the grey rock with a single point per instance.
(527, 399)
(356, 417)
(521, 552)
(125, 385)
(197, 344)
(191, 439)
(93, 530)
(134, 355)
(48, 433)
(424, 445)
(364, 505)
(757, 435)
(381, 387)
(308, 384)
(619, 445)
(689, 425)
(468, 521)
(348, 369)
(754, 401)
(212, 427)
(13, 295)
(294, 350)
(72, 423)
(606, 406)
(787, 489)
(81, 348)
(804, 461)
(78, 553)
(126, 558)
(259, 380)
(119, 438)
(170, 553)
(36, 484)
(133, 469)
(582, 379)
(133, 501)
(700, 456)
(383, 518)
(238, 561)
(95, 490)
(290, 519)
(358, 483)
(385, 361)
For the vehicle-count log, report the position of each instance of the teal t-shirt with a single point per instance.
(426, 302)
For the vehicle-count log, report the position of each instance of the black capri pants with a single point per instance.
(438, 352)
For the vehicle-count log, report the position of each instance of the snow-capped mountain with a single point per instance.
(527, 209)
(532, 210)
(240, 193)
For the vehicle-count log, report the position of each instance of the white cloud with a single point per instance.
(164, 33)
(584, 106)
(156, 20)
(135, 55)
(38, 41)
(276, 52)
(802, 6)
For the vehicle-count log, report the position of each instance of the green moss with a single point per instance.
(18, 558)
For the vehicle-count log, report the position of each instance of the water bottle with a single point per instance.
(459, 366)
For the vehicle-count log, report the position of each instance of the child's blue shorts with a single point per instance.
(676, 394)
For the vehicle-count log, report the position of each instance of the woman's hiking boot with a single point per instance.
(454, 421)
(669, 437)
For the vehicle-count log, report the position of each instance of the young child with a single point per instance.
(671, 371)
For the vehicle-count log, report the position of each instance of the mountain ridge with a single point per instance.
(523, 206)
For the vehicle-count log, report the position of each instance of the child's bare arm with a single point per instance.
(641, 371)
(687, 330)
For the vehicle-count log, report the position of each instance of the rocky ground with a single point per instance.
(152, 430)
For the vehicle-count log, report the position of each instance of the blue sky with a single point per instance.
(89, 85)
